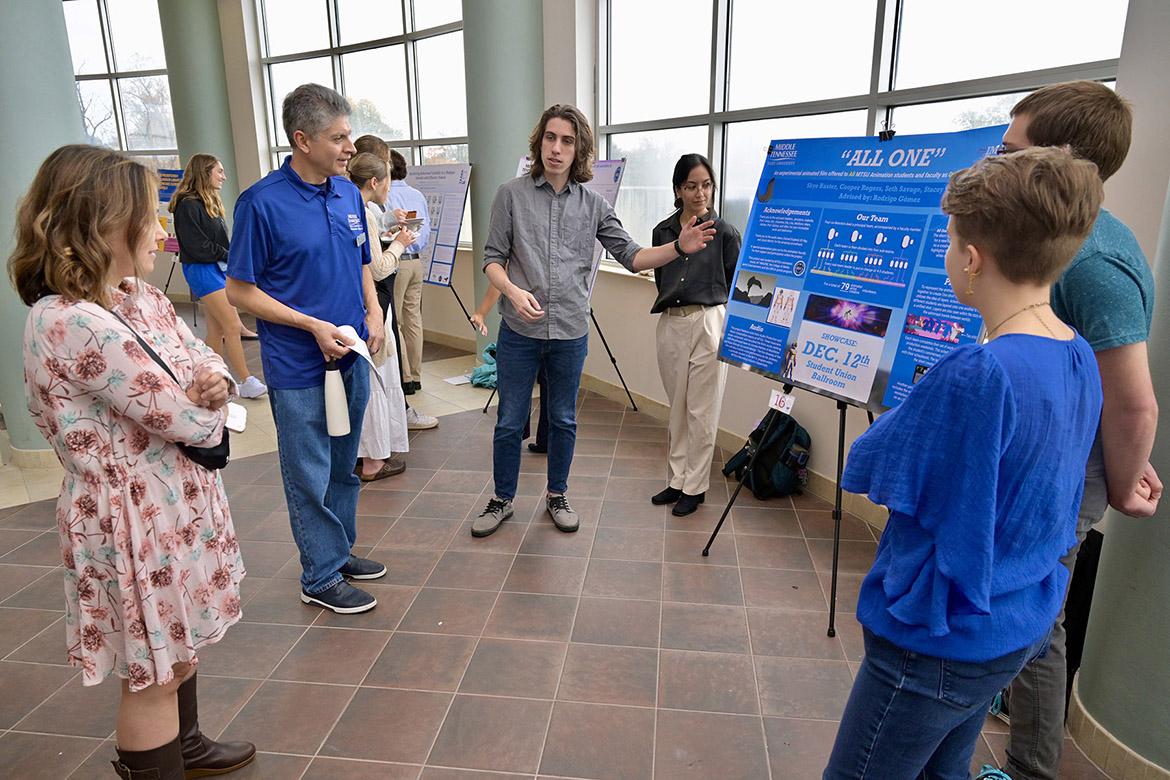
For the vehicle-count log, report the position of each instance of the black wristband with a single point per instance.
(678, 249)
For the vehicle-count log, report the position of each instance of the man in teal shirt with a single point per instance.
(1107, 294)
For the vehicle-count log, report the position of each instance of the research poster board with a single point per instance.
(606, 181)
(169, 179)
(445, 189)
(840, 287)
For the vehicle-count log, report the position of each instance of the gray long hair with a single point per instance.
(311, 108)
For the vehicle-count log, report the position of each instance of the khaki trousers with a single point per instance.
(688, 349)
(408, 304)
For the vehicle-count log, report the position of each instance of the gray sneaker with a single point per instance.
(497, 511)
(563, 516)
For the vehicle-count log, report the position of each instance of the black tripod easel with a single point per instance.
(841, 406)
(604, 343)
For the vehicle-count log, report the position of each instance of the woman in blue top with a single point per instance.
(982, 469)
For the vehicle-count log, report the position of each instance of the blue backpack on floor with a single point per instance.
(779, 466)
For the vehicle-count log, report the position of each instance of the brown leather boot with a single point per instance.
(161, 763)
(203, 757)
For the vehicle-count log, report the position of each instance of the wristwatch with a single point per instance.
(678, 249)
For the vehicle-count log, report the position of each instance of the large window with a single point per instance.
(725, 78)
(121, 74)
(398, 62)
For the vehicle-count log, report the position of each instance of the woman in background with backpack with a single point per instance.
(692, 299)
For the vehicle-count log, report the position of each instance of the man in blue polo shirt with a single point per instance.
(299, 263)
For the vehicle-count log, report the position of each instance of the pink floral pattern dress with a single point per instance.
(152, 565)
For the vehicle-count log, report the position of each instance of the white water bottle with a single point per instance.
(336, 408)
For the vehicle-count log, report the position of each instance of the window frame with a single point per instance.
(879, 102)
(412, 146)
(111, 76)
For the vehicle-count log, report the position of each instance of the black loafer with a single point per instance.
(668, 496)
(687, 504)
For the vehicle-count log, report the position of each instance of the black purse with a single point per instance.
(211, 458)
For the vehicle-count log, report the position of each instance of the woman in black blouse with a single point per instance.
(692, 298)
(203, 251)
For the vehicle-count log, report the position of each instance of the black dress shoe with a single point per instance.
(408, 388)
(539, 449)
(687, 504)
(668, 496)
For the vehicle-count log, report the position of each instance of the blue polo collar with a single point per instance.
(306, 190)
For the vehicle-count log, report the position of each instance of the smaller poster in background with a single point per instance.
(169, 180)
(445, 190)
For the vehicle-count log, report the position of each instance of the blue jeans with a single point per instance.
(916, 717)
(317, 470)
(518, 359)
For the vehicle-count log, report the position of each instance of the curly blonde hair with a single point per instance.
(80, 197)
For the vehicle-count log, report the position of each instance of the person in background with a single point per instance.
(299, 263)
(545, 286)
(151, 560)
(203, 252)
(408, 290)
(388, 220)
(692, 298)
(983, 502)
(384, 426)
(1107, 294)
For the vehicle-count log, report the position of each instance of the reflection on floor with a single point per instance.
(615, 652)
(437, 398)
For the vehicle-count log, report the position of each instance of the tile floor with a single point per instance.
(618, 652)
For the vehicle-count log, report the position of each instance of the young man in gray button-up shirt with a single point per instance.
(539, 254)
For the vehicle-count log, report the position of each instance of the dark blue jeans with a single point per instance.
(916, 717)
(518, 359)
(317, 470)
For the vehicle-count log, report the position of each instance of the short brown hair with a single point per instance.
(374, 145)
(196, 183)
(582, 168)
(397, 165)
(365, 166)
(79, 198)
(1086, 115)
(1032, 209)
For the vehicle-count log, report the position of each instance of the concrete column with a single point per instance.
(41, 110)
(199, 91)
(503, 53)
(1124, 682)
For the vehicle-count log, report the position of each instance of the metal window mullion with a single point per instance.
(720, 74)
(1099, 70)
(414, 104)
(884, 62)
(122, 74)
(107, 36)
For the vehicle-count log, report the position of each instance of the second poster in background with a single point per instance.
(840, 287)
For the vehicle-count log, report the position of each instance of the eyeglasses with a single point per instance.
(691, 188)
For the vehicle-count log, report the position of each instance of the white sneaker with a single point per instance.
(419, 422)
(252, 388)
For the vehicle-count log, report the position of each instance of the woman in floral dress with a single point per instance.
(152, 565)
